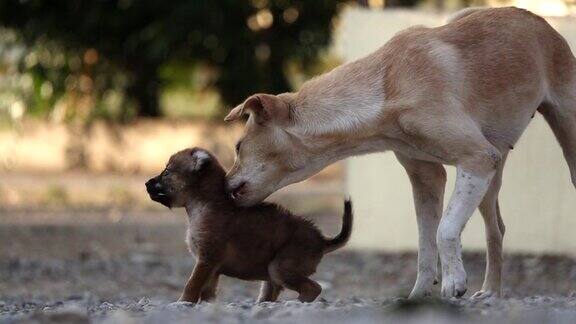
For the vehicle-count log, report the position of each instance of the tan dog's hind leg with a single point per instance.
(476, 164)
(561, 117)
(455, 139)
(428, 183)
(269, 292)
(494, 227)
(469, 191)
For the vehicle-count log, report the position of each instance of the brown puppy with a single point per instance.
(263, 242)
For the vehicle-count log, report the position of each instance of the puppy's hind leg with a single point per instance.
(287, 273)
(308, 290)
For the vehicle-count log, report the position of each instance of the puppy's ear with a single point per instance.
(199, 159)
(263, 107)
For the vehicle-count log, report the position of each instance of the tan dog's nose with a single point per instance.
(238, 190)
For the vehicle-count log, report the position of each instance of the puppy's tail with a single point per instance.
(341, 239)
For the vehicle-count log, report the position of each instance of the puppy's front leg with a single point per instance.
(209, 292)
(200, 275)
(269, 292)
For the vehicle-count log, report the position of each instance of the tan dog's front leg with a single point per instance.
(428, 183)
(200, 275)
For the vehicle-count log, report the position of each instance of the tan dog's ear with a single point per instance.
(235, 113)
(263, 107)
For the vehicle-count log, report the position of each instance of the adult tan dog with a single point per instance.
(460, 94)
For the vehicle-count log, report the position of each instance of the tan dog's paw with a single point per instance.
(422, 287)
(485, 294)
(454, 284)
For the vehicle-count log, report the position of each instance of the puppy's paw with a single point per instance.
(185, 300)
(180, 305)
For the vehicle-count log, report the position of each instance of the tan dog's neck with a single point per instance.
(328, 104)
(338, 120)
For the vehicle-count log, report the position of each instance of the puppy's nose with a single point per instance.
(237, 191)
(150, 183)
(153, 185)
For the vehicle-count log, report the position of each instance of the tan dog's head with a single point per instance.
(268, 156)
(189, 175)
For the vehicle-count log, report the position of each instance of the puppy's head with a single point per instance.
(190, 174)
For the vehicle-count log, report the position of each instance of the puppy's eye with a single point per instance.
(238, 147)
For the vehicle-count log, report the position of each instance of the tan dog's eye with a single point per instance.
(238, 147)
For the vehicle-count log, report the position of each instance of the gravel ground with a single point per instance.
(115, 266)
(358, 287)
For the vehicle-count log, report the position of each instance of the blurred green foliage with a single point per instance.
(112, 58)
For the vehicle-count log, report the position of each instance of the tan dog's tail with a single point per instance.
(341, 239)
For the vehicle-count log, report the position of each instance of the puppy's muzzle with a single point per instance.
(156, 192)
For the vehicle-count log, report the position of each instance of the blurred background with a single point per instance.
(96, 95)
